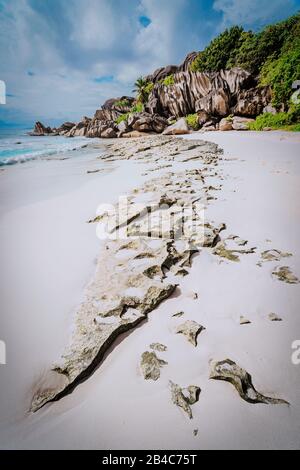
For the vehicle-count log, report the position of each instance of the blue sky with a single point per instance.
(61, 59)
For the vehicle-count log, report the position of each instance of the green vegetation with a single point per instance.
(220, 51)
(168, 81)
(274, 121)
(149, 87)
(122, 103)
(192, 121)
(137, 108)
(283, 121)
(273, 54)
(292, 128)
(281, 73)
(121, 118)
(143, 89)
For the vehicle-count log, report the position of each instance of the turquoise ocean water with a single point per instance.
(16, 146)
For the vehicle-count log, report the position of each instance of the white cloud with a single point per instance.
(68, 44)
(94, 24)
(99, 38)
(253, 12)
(158, 40)
(56, 89)
(26, 39)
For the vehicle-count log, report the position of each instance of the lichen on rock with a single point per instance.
(158, 347)
(150, 365)
(185, 397)
(190, 329)
(274, 255)
(222, 251)
(284, 274)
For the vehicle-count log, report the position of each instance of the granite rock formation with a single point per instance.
(40, 130)
(164, 72)
(213, 96)
(218, 94)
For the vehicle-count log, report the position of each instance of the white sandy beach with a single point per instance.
(48, 254)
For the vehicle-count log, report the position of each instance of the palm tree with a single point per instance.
(141, 89)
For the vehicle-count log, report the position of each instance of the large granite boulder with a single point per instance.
(210, 126)
(186, 65)
(252, 102)
(114, 107)
(180, 127)
(65, 127)
(216, 103)
(270, 109)
(109, 133)
(225, 124)
(100, 128)
(161, 73)
(123, 128)
(203, 117)
(218, 94)
(79, 129)
(134, 134)
(40, 130)
(241, 123)
(164, 72)
(145, 122)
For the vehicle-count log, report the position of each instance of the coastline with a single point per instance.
(255, 178)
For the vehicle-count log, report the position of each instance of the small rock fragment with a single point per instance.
(177, 315)
(93, 171)
(181, 272)
(184, 398)
(239, 241)
(191, 330)
(229, 371)
(274, 317)
(150, 365)
(244, 321)
(222, 251)
(274, 255)
(95, 220)
(284, 274)
(158, 347)
(192, 295)
(232, 255)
